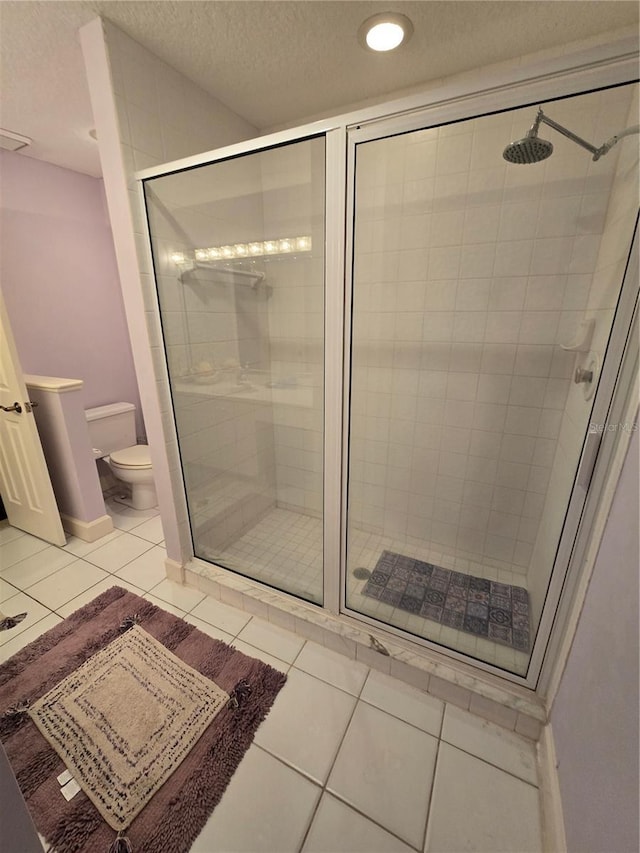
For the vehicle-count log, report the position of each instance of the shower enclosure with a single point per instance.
(398, 424)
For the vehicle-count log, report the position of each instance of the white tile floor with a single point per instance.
(347, 761)
(285, 548)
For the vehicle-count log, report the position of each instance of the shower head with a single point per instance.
(531, 149)
(528, 150)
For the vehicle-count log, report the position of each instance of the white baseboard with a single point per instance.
(175, 570)
(89, 531)
(553, 835)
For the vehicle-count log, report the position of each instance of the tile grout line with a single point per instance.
(323, 789)
(491, 764)
(431, 795)
(433, 781)
(37, 601)
(124, 565)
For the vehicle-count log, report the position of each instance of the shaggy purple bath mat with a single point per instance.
(176, 813)
(487, 609)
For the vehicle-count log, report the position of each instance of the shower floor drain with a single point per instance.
(361, 573)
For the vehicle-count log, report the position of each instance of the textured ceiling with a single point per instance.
(273, 62)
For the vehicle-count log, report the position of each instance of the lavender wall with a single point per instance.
(60, 281)
(595, 715)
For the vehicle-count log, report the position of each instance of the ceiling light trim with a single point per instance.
(394, 20)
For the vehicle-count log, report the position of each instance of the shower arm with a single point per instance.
(597, 152)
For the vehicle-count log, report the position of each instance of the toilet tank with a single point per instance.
(111, 427)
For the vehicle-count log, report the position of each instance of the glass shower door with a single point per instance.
(238, 249)
(484, 293)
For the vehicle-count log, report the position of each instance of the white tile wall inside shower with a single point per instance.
(600, 301)
(469, 274)
(215, 328)
(241, 456)
(293, 178)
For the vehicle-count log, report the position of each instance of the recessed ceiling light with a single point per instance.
(385, 31)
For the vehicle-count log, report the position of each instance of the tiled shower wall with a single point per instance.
(469, 275)
(241, 456)
(603, 294)
(214, 320)
(296, 327)
(296, 324)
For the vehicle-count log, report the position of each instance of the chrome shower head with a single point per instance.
(533, 150)
(528, 150)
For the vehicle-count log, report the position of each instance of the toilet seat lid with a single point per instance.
(137, 456)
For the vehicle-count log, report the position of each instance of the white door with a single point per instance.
(24, 479)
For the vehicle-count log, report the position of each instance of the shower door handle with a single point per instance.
(589, 457)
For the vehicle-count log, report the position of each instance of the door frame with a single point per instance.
(620, 372)
(583, 502)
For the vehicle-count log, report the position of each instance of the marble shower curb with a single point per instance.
(509, 705)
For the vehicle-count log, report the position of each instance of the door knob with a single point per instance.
(15, 408)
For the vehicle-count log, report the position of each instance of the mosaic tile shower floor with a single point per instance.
(478, 606)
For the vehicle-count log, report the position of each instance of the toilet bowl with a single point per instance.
(132, 465)
(112, 433)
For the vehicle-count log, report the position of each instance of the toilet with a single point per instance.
(112, 431)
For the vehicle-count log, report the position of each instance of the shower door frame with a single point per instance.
(334, 134)
(595, 67)
(573, 537)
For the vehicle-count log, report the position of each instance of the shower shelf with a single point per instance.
(257, 276)
(583, 337)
